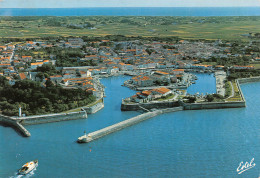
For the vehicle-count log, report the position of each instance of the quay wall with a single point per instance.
(247, 80)
(240, 91)
(95, 108)
(154, 105)
(23, 130)
(41, 119)
(9, 121)
(129, 122)
(215, 105)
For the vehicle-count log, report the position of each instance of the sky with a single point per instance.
(126, 3)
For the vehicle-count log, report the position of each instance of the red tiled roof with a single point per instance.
(162, 90)
(22, 76)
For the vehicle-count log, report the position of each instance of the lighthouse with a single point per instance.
(20, 112)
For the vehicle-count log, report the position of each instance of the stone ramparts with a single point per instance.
(247, 80)
(240, 91)
(214, 105)
(151, 105)
(9, 121)
(18, 122)
(95, 108)
(41, 119)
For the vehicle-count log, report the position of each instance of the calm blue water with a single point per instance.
(208, 82)
(133, 11)
(204, 143)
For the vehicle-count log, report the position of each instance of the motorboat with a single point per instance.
(28, 167)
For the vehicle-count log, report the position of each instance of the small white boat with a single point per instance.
(28, 167)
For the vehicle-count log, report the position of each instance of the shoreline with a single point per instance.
(182, 106)
(95, 108)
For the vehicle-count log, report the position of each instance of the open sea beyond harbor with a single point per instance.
(133, 11)
(199, 143)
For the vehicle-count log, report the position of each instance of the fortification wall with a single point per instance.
(5, 120)
(154, 105)
(41, 119)
(247, 80)
(218, 105)
(95, 108)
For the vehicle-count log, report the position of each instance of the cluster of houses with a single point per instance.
(149, 95)
(6, 55)
(165, 62)
(158, 77)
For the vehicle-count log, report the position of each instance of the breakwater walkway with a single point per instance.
(18, 122)
(127, 123)
(9, 121)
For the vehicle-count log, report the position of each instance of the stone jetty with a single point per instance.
(127, 123)
(18, 122)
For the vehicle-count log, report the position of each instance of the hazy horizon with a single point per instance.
(126, 3)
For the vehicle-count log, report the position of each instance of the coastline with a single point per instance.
(160, 108)
(18, 123)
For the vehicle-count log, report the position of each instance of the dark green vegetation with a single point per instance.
(228, 89)
(214, 98)
(35, 99)
(209, 28)
(189, 99)
(46, 70)
(235, 74)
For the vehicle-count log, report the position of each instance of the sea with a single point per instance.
(195, 143)
(133, 11)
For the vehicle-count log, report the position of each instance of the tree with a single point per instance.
(209, 98)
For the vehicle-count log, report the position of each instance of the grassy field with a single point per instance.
(211, 28)
(256, 65)
(237, 96)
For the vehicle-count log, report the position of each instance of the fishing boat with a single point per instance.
(28, 167)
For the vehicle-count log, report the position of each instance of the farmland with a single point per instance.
(209, 28)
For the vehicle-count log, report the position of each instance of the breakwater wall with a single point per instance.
(240, 91)
(213, 105)
(247, 80)
(18, 122)
(41, 119)
(222, 105)
(152, 105)
(129, 122)
(95, 108)
(9, 121)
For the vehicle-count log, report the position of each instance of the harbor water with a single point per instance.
(199, 143)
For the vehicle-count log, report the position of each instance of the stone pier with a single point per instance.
(127, 123)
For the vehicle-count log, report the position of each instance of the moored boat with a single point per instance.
(28, 167)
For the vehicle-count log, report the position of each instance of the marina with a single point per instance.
(168, 141)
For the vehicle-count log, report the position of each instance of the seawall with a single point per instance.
(127, 123)
(95, 108)
(18, 122)
(247, 80)
(9, 121)
(153, 105)
(240, 91)
(214, 105)
(41, 119)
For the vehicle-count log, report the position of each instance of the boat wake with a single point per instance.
(16, 175)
